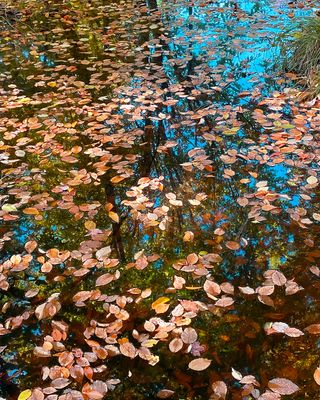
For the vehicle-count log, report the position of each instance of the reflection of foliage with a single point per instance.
(157, 211)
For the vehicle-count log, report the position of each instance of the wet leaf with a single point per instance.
(60, 383)
(224, 302)
(114, 216)
(211, 288)
(233, 245)
(192, 259)
(283, 386)
(316, 376)
(189, 335)
(220, 390)
(165, 394)
(314, 329)
(104, 279)
(175, 345)
(128, 350)
(25, 394)
(199, 364)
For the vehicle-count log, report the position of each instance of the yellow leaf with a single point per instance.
(90, 225)
(231, 131)
(52, 84)
(149, 343)
(160, 300)
(25, 394)
(9, 207)
(114, 216)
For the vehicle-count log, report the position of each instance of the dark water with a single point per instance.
(167, 135)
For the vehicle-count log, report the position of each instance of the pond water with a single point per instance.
(159, 202)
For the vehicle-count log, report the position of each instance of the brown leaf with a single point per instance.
(31, 293)
(232, 245)
(165, 394)
(224, 302)
(316, 376)
(293, 332)
(226, 287)
(212, 288)
(266, 300)
(270, 396)
(128, 349)
(189, 335)
(31, 246)
(104, 279)
(283, 386)
(37, 394)
(246, 290)
(199, 364)
(278, 278)
(82, 296)
(192, 259)
(314, 329)
(178, 282)
(60, 383)
(220, 389)
(175, 345)
(242, 201)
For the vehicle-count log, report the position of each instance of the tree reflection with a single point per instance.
(136, 127)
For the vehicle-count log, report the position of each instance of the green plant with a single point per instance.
(302, 54)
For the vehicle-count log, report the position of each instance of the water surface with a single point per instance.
(162, 144)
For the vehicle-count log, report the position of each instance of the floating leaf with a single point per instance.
(233, 245)
(211, 288)
(316, 376)
(192, 259)
(283, 386)
(220, 390)
(189, 335)
(175, 345)
(114, 216)
(188, 236)
(128, 349)
(199, 364)
(25, 394)
(60, 383)
(224, 302)
(9, 208)
(312, 180)
(165, 394)
(104, 279)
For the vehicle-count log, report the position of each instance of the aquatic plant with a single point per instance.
(302, 54)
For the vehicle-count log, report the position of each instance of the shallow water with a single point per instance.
(167, 135)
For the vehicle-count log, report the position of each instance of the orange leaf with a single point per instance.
(316, 376)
